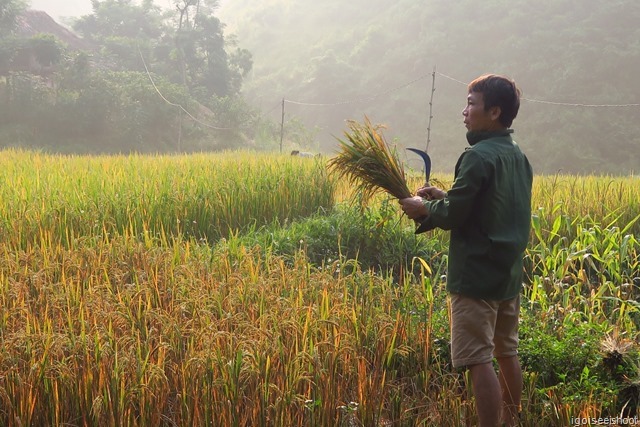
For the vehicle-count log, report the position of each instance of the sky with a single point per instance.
(59, 9)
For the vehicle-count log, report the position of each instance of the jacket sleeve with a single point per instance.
(454, 210)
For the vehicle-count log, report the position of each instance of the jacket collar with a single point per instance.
(473, 137)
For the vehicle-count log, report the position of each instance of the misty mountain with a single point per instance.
(335, 60)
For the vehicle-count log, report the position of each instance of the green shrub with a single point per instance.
(571, 362)
(376, 237)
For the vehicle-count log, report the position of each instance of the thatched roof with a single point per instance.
(33, 22)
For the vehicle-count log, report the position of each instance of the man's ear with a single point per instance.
(494, 113)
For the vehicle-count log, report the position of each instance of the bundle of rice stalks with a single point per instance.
(367, 162)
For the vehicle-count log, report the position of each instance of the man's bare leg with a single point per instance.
(487, 392)
(510, 378)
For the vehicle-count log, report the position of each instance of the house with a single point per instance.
(34, 22)
(39, 55)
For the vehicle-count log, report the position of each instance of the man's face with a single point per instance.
(475, 116)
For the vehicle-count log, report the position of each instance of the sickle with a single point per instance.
(427, 162)
(427, 173)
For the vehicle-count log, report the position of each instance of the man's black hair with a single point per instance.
(498, 91)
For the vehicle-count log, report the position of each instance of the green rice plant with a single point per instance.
(114, 313)
(374, 236)
(605, 200)
(56, 199)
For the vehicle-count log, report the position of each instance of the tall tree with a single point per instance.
(123, 29)
(9, 12)
(201, 48)
(187, 44)
(113, 99)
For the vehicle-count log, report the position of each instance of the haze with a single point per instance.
(60, 9)
(337, 60)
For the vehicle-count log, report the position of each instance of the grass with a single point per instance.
(112, 315)
(55, 199)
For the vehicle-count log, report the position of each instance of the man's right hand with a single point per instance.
(431, 193)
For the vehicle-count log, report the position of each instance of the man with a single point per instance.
(488, 210)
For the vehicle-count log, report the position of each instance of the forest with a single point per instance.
(270, 74)
(130, 78)
(368, 52)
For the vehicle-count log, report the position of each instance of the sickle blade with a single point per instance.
(427, 162)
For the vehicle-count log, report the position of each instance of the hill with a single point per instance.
(335, 60)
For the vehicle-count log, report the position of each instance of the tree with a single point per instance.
(128, 94)
(201, 49)
(123, 29)
(193, 52)
(121, 18)
(46, 49)
(9, 12)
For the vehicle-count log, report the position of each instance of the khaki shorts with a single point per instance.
(483, 329)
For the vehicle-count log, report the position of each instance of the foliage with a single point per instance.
(104, 112)
(187, 45)
(7, 52)
(559, 353)
(46, 49)
(116, 307)
(370, 238)
(9, 12)
(356, 57)
(134, 90)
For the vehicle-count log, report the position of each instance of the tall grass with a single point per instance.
(115, 312)
(114, 333)
(605, 200)
(60, 198)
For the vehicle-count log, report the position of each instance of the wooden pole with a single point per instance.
(433, 89)
(180, 131)
(282, 127)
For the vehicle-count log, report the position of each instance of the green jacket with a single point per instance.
(488, 211)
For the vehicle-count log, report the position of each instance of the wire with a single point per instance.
(451, 78)
(563, 104)
(173, 104)
(373, 97)
(353, 101)
(566, 104)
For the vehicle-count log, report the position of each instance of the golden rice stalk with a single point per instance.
(367, 162)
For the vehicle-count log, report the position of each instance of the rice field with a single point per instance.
(127, 300)
(55, 199)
